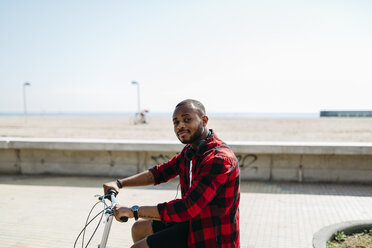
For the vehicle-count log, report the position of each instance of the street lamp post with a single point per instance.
(24, 98)
(138, 97)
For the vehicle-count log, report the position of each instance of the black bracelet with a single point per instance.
(119, 183)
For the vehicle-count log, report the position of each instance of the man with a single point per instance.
(208, 213)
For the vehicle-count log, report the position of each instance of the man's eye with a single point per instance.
(175, 123)
(187, 119)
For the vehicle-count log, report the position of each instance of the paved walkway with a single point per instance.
(50, 211)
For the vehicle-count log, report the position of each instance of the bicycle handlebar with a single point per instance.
(111, 195)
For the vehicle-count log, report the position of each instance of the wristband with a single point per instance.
(119, 183)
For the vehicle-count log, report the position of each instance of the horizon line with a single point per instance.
(164, 114)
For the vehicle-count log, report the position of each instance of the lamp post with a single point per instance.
(24, 98)
(138, 96)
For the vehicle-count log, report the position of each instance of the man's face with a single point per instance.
(188, 125)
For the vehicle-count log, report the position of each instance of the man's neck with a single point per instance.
(202, 137)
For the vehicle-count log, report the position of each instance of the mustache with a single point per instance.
(183, 130)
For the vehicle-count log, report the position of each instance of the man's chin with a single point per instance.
(184, 141)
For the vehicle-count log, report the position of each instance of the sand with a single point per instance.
(160, 128)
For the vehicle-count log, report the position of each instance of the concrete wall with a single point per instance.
(304, 162)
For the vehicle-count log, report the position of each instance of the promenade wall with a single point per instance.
(262, 161)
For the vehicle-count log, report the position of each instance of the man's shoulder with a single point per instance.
(220, 146)
(219, 149)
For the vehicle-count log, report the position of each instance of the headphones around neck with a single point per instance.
(190, 152)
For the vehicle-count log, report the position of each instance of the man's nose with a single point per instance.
(181, 125)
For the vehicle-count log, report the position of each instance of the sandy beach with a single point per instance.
(160, 128)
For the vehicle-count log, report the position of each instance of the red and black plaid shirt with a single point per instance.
(211, 203)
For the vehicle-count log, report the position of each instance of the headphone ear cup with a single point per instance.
(189, 153)
(210, 134)
(200, 145)
(199, 148)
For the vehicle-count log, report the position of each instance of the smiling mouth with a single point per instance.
(182, 133)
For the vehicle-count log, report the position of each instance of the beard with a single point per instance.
(196, 136)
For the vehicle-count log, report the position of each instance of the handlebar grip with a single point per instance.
(124, 219)
(111, 192)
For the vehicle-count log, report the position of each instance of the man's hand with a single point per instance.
(120, 211)
(111, 185)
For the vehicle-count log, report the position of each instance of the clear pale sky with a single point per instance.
(234, 56)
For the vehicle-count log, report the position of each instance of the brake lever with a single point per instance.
(110, 211)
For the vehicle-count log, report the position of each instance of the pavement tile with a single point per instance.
(47, 211)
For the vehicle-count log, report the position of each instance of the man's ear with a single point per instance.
(205, 120)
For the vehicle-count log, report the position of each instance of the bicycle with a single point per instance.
(140, 118)
(108, 211)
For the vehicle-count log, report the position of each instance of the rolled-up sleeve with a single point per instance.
(166, 171)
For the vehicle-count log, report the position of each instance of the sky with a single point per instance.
(236, 56)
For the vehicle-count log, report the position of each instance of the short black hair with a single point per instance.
(197, 105)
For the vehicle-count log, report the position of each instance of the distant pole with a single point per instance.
(24, 98)
(138, 96)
